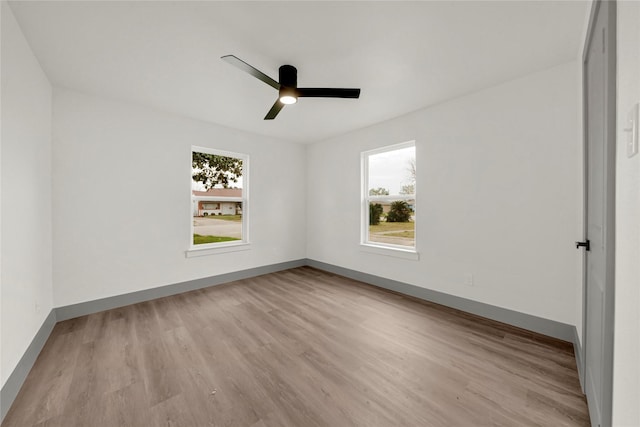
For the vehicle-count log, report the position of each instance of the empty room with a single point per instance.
(320, 213)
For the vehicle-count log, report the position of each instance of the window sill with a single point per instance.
(218, 249)
(390, 251)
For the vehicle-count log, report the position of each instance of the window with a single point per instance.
(209, 206)
(219, 190)
(389, 197)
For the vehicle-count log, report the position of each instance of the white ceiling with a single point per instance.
(403, 55)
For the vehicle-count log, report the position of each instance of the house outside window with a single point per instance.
(389, 197)
(219, 198)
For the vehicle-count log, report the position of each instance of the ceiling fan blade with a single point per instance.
(273, 112)
(239, 63)
(317, 92)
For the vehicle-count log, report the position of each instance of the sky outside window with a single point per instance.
(391, 169)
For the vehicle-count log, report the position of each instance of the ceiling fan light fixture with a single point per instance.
(288, 95)
(288, 99)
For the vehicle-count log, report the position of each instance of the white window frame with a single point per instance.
(221, 247)
(388, 249)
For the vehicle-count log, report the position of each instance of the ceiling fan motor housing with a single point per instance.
(288, 77)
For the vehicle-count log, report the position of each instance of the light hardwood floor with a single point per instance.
(299, 348)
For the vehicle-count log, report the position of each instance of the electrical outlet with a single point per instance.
(37, 307)
(468, 279)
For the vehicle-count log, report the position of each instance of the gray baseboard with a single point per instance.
(95, 306)
(526, 321)
(13, 384)
(540, 325)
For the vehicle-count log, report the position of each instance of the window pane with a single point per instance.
(217, 182)
(392, 223)
(213, 171)
(392, 172)
(389, 217)
(217, 225)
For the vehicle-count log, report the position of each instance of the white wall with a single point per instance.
(25, 278)
(121, 187)
(626, 374)
(498, 196)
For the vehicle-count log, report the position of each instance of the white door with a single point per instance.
(599, 98)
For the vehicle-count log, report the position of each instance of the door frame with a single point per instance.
(610, 188)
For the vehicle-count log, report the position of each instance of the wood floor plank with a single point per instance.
(49, 383)
(299, 347)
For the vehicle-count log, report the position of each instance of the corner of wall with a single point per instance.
(26, 234)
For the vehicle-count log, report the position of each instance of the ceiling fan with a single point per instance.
(288, 89)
